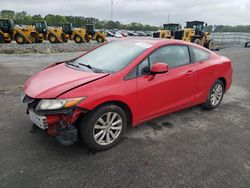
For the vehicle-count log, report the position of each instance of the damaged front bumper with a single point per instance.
(61, 124)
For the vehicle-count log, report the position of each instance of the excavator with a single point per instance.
(194, 32)
(168, 31)
(9, 32)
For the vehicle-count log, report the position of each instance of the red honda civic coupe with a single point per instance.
(99, 94)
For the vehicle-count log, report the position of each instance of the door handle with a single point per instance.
(190, 73)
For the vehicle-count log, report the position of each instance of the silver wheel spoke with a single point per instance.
(117, 122)
(112, 134)
(101, 138)
(98, 134)
(113, 118)
(116, 128)
(108, 117)
(99, 127)
(107, 137)
(101, 121)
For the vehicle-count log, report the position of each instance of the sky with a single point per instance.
(154, 12)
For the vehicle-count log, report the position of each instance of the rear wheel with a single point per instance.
(35, 38)
(104, 127)
(210, 44)
(215, 95)
(20, 39)
(1, 38)
(52, 38)
(197, 41)
(99, 39)
(64, 38)
(78, 39)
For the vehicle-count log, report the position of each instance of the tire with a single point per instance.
(209, 104)
(196, 41)
(78, 39)
(35, 38)
(20, 39)
(64, 39)
(210, 44)
(1, 38)
(156, 35)
(52, 38)
(99, 39)
(91, 126)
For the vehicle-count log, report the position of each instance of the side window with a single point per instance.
(143, 68)
(174, 56)
(132, 74)
(200, 55)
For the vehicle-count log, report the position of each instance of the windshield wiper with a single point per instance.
(72, 64)
(94, 69)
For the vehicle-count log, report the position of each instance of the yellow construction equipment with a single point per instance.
(168, 31)
(8, 32)
(194, 32)
(76, 34)
(42, 32)
(92, 34)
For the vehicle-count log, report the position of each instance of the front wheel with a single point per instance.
(20, 39)
(104, 127)
(215, 95)
(52, 38)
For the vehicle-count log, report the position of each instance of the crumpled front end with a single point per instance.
(61, 123)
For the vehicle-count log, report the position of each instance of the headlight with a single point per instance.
(55, 104)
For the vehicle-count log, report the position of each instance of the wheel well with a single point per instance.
(124, 106)
(224, 82)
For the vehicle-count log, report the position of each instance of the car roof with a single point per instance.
(156, 41)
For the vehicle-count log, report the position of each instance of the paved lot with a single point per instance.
(190, 148)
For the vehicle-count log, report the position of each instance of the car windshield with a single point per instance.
(111, 57)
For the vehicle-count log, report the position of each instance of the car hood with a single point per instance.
(58, 79)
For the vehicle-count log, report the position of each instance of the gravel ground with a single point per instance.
(45, 47)
(190, 148)
(70, 46)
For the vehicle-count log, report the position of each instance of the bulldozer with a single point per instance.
(42, 32)
(76, 34)
(92, 34)
(194, 32)
(168, 31)
(9, 32)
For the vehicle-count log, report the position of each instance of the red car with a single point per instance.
(123, 83)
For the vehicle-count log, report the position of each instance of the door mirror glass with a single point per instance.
(159, 68)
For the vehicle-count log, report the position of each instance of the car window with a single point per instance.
(132, 74)
(114, 56)
(200, 55)
(174, 56)
(143, 68)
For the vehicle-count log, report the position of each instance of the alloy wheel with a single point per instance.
(107, 128)
(216, 94)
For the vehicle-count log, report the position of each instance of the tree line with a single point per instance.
(23, 18)
(79, 21)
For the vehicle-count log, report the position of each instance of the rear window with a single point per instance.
(200, 55)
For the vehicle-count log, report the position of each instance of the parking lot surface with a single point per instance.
(190, 148)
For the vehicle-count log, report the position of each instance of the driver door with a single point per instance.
(162, 93)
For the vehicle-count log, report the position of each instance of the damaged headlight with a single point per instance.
(56, 104)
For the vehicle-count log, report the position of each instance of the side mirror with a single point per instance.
(159, 68)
